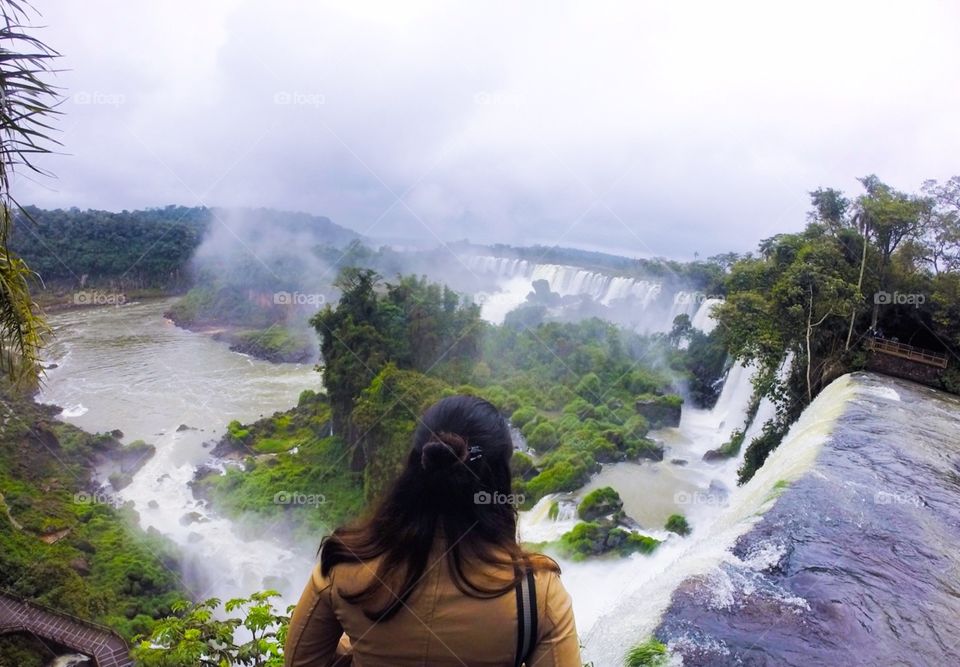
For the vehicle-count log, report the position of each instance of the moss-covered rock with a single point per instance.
(604, 501)
(590, 538)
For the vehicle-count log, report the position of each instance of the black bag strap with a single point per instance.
(526, 617)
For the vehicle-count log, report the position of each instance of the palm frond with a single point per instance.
(27, 103)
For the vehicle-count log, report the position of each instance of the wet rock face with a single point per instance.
(856, 561)
(659, 411)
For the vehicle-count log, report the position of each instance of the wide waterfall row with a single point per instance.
(647, 303)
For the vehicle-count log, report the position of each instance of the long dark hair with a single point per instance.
(455, 487)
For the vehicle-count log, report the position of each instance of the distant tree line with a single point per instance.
(145, 248)
(153, 247)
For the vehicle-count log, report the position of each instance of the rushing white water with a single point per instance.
(70, 660)
(137, 372)
(654, 309)
(536, 524)
(646, 589)
(683, 483)
(854, 562)
(651, 490)
(703, 319)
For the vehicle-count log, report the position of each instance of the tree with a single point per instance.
(829, 207)
(26, 106)
(413, 323)
(194, 636)
(789, 300)
(942, 241)
(889, 217)
(812, 290)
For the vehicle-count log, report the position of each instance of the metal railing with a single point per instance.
(905, 351)
(107, 649)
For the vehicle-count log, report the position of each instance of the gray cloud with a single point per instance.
(644, 128)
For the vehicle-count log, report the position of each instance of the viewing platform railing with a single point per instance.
(904, 351)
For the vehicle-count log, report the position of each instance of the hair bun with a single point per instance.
(443, 450)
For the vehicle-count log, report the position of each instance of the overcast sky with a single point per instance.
(645, 128)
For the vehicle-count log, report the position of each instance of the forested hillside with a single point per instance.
(148, 248)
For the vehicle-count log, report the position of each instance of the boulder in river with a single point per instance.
(660, 411)
(192, 517)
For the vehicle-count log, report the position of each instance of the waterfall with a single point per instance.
(849, 561)
(536, 525)
(513, 279)
(712, 428)
(648, 584)
(70, 660)
(703, 319)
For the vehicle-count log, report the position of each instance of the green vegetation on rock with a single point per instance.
(294, 472)
(589, 538)
(677, 523)
(600, 502)
(651, 653)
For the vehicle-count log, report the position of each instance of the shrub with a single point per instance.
(589, 388)
(642, 381)
(651, 653)
(520, 464)
(636, 426)
(558, 396)
(579, 407)
(543, 437)
(529, 427)
(677, 523)
(603, 450)
(523, 416)
(306, 396)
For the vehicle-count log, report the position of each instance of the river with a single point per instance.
(129, 368)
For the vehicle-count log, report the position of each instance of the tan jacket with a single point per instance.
(438, 625)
